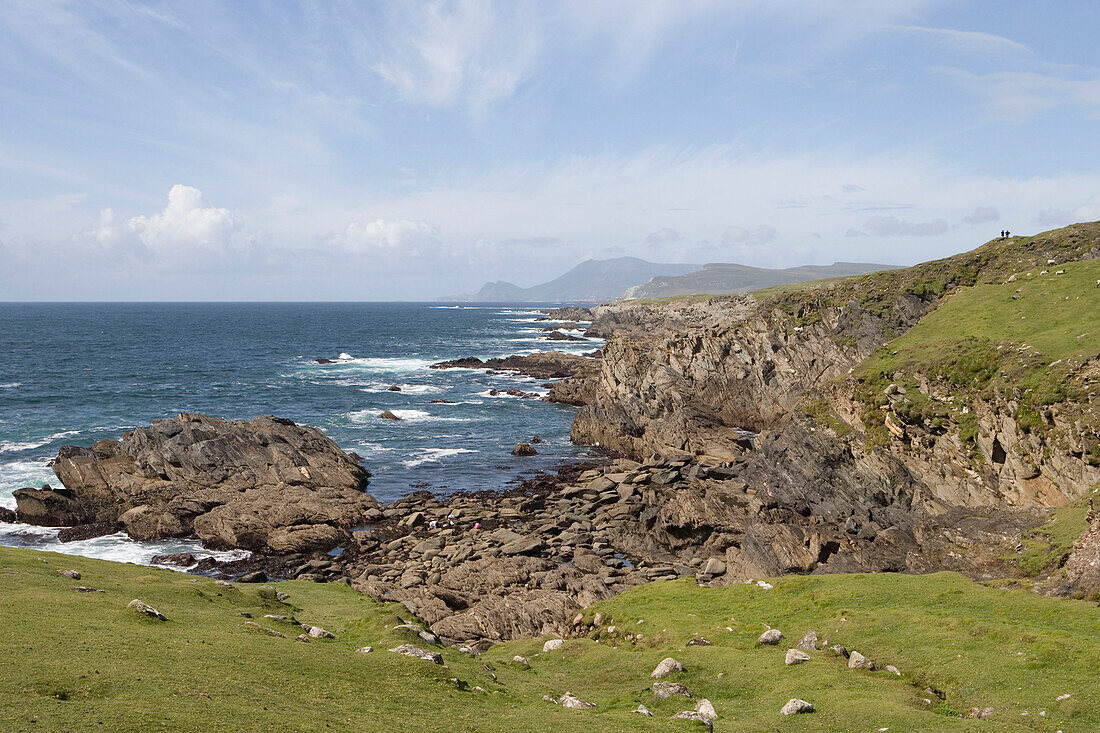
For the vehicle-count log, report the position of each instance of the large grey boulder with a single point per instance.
(667, 666)
(770, 637)
(411, 650)
(795, 706)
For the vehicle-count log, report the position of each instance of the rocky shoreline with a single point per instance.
(717, 467)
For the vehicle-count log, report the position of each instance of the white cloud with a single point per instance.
(758, 237)
(664, 234)
(966, 42)
(185, 231)
(412, 238)
(891, 226)
(1017, 96)
(981, 215)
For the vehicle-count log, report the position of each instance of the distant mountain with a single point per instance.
(722, 278)
(590, 281)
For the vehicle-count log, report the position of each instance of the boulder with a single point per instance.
(808, 643)
(253, 626)
(771, 637)
(667, 666)
(524, 449)
(411, 650)
(706, 709)
(69, 574)
(387, 415)
(795, 706)
(796, 656)
(643, 710)
(264, 484)
(665, 690)
(146, 610)
(569, 700)
(552, 645)
(858, 661)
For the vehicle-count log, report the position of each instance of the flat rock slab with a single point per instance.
(411, 650)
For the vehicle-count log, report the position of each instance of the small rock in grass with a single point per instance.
(981, 713)
(253, 626)
(796, 706)
(146, 609)
(548, 698)
(706, 709)
(667, 666)
(317, 632)
(86, 589)
(858, 661)
(643, 710)
(364, 650)
(771, 636)
(1063, 697)
(428, 636)
(279, 617)
(808, 643)
(700, 641)
(223, 584)
(797, 656)
(411, 650)
(692, 715)
(665, 690)
(840, 651)
(522, 661)
(552, 644)
(893, 670)
(569, 700)
(69, 574)
(302, 637)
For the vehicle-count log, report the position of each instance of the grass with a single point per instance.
(83, 662)
(1024, 338)
(1047, 547)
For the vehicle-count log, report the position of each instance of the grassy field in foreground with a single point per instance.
(83, 662)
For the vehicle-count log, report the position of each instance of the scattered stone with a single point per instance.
(840, 650)
(893, 670)
(706, 709)
(393, 388)
(858, 661)
(981, 713)
(317, 632)
(524, 449)
(253, 626)
(364, 650)
(796, 656)
(69, 574)
(699, 641)
(552, 644)
(771, 637)
(808, 643)
(643, 710)
(665, 690)
(667, 666)
(522, 661)
(796, 706)
(146, 609)
(85, 589)
(302, 637)
(224, 584)
(714, 567)
(1063, 697)
(569, 700)
(411, 650)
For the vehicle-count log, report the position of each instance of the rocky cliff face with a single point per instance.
(263, 484)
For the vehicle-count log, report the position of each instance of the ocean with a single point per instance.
(80, 373)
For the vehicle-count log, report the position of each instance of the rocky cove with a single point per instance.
(741, 441)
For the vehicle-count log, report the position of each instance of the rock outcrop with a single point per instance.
(541, 365)
(264, 484)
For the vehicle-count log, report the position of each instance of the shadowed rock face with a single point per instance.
(261, 484)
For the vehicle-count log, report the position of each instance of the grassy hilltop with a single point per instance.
(83, 661)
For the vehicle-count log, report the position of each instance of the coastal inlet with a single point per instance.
(80, 373)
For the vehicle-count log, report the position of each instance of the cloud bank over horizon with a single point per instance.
(418, 150)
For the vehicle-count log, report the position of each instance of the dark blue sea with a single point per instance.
(79, 373)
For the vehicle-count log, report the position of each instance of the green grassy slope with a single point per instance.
(78, 661)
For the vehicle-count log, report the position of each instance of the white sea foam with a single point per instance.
(10, 385)
(405, 388)
(434, 455)
(364, 417)
(383, 363)
(12, 446)
(116, 547)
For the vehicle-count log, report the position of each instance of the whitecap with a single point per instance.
(405, 388)
(10, 385)
(12, 446)
(433, 455)
(383, 363)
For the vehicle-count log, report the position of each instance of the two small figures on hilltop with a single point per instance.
(1005, 234)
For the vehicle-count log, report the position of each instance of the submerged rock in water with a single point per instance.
(524, 449)
(263, 484)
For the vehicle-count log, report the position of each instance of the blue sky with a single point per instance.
(396, 150)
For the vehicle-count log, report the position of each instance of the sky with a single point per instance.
(404, 151)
